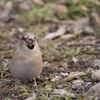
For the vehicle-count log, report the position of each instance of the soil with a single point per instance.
(57, 57)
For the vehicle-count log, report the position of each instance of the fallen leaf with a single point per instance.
(73, 75)
(61, 92)
(59, 32)
(67, 37)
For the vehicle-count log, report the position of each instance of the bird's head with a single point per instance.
(29, 39)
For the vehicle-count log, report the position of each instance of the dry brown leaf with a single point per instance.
(59, 32)
(73, 75)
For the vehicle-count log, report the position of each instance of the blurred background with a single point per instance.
(68, 33)
(46, 16)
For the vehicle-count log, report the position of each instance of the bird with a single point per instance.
(26, 63)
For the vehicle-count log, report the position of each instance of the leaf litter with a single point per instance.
(69, 49)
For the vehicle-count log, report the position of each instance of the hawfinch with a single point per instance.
(26, 62)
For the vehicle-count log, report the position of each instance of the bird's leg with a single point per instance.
(35, 83)
(22, 81)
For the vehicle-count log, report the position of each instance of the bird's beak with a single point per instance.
(30, 42)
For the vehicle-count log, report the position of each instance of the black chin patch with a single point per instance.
(31, 47)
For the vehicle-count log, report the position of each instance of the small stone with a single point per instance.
(21, 30)
(60, 9)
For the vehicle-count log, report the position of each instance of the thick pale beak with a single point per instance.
(31, 38)
(30, 42)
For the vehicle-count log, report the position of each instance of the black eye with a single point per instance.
(23, 38)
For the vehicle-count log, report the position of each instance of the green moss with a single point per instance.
(3, 35)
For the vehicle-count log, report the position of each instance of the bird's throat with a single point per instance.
(31, 47)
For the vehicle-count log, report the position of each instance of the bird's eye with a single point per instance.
(23, 38)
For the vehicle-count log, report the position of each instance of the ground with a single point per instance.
(63, 56)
